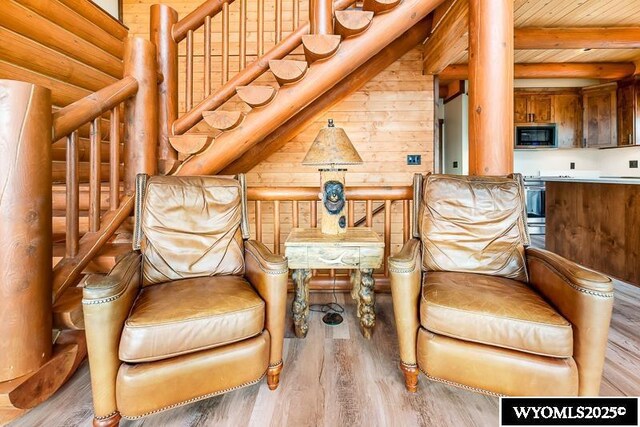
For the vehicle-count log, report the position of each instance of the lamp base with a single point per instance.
(334, 213)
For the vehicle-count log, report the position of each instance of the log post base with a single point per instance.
(19, 395)
(410, 377)
(273, 376)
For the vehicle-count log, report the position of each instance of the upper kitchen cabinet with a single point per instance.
(600, 115)
(628, 114)
(567, 106)
(532, 107)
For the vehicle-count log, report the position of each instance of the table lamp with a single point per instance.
(332, 147)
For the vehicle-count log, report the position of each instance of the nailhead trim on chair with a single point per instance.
(265, 269)
(273, 365)
(402, 270)
(104, 417)
(568, 282)
(466, 387)
(195, 399)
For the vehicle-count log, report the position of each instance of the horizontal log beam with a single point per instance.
(98, 16)
(449, 40)
(311, 193)
(577, 38)
(568, 70)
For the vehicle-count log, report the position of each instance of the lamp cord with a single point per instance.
(330, 306)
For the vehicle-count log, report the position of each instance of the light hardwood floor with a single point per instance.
(335, 377)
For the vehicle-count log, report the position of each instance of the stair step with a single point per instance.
(191, 143)
(103, 262)
(320, 46)
(223, 120)
(67, 310)
(256, 95)
(287, 71)
(352, 22)
(379, 6)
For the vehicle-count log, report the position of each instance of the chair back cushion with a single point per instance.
(474, 225)
(190, 227)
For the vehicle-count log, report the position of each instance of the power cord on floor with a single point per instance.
(332, 309)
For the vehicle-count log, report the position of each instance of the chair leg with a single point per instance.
(111, 421)
(410, 376)
(273, 376)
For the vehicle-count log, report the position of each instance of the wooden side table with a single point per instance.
(359, 249)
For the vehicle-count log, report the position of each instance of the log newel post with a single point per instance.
(321, 16)
(163, 19)
(141, 112)
(490, 87)
(25, 228)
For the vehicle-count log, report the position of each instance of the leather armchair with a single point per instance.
(477, 308)
(193, 311)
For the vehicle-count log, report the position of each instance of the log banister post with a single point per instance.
(162, 21)
(25, 228)
(321, 16)
(141, 112)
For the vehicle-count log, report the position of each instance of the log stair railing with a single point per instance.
(361, 34)
(287, 207)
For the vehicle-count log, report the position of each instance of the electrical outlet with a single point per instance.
(633, 164)
(455, 164)
(572, 165)
(414, 159)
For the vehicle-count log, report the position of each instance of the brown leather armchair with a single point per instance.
(477, 308)
(195, 312)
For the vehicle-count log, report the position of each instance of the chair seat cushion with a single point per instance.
(495, 311)
(190, 315)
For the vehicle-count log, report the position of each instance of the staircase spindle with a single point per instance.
(189, 72)
(294, 214)
(350, 213)
(296, 14)
(207, 56)
(369, 213)
(278, 21)
(258, 220)
(276, 227)
(225, 42)
(73, 197)
(94, 175)
(260, 30)
(406, 218)
(114, 158)
(242, 61)
(314, 214)
(387, 235)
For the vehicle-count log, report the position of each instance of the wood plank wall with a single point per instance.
(390, 117)
(69, 46)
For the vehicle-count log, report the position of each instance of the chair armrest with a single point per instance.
(269, 273)
(583, 297)
(405, 272)
(106, 303)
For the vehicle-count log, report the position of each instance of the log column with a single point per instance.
(141, 114)
(163, 18)
(490, 87)
(25, 228)
(321, 16)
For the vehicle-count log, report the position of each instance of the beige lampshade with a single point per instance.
(332, 146)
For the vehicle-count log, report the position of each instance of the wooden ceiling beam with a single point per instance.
(578, 70)
(577, 38)
(449, 40)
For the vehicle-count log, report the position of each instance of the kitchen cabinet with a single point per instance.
(600, 116)
(627, 111)
(568, 118)
(533, 107)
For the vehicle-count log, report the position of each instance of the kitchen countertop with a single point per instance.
(600, 180)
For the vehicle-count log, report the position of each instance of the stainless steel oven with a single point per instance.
(535, 200)
(535, 136)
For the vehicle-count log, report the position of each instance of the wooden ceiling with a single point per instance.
(574, 13)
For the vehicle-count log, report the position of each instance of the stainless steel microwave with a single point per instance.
(536, 136)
